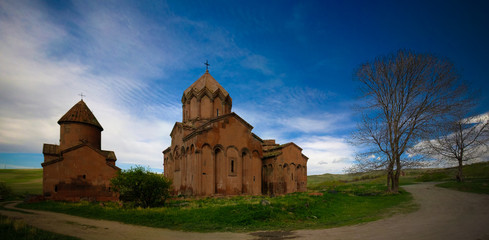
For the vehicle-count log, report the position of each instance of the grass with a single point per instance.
(476, 178)
(343, 205)
(469, 185)
(23, 181)
(377, 177)
(16, 229)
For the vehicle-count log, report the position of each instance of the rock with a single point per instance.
(265, 202)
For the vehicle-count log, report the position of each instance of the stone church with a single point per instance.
(214, 152)
(77, 168)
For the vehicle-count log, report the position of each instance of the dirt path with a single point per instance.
(443, 214)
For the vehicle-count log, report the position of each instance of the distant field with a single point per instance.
(29, 181)
(379, 177)
(476, 175)
(23, 181)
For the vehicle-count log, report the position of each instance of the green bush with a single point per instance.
(5, 191)
(141, 187)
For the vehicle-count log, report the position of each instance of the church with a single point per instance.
(78, 169)
(214, 151)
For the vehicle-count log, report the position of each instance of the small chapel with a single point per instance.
(214, 152)
(78, 169)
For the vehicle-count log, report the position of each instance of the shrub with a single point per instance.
(5, 191)
(142, 187)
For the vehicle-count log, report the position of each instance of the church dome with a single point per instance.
(205, 82)
(80, 113)
(205, 99)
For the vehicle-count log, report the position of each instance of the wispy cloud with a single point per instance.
(257, 62)
(36, 82)
(127, 65)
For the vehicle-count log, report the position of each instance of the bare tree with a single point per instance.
(462, 140)
(404, 95)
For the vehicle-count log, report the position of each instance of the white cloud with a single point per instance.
(326, 154)
(119, 59)
(37, 89)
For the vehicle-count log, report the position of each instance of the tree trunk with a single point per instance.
(460, 175)
(390, 176)
(389, 180)
(395, 181)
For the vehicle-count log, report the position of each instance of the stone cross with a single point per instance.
(81, 95)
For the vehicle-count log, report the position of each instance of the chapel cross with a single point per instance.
(206, 65)
(81, 95)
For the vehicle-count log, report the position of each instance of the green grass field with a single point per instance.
(346, 199)
(23, 181)
(477, 178)
(345, 205)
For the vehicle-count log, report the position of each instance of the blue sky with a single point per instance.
(288, 65)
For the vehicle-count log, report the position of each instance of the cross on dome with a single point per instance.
(206, 65)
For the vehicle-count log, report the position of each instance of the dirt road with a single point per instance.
(443, 214)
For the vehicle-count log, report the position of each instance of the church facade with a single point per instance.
(77, 168)
(214, 152)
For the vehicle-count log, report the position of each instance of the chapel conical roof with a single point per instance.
(206, 81)
(80, 113)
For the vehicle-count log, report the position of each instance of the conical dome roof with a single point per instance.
(80, 113)
(206, 81)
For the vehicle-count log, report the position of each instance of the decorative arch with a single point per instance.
(182, 151)
(205, 144)
(175, 151)
(293, 170)
(220, 170)
(206, 105)
(245, 150)
(208, 170)
(216, 147)
(248, 177)
(176, 155)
